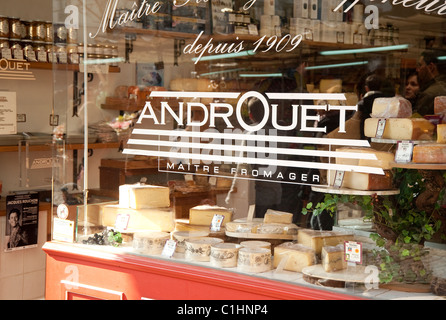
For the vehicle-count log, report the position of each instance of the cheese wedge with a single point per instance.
(274, 216)
(441, 133)
(401, 129)
(203, 215)
(429, 153)
(368, 181)
(139, 196)
(156, 219)
(440, 105)
(333, 258)
(317, 239)
(395, 107)
(383, 160)
(297, 256)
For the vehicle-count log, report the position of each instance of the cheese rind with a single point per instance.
(254, 260)
(140, 196)
(150, 242)
(181, 236)
(199, 249)
(429, 153)
(155, 219)
(274, 216)
(224, 255)
(317, 239)
(203, 215)
(401, 129)
(333, 258)
(395, 107)
(297, 256)
(256, 244)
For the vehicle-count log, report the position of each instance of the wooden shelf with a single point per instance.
(347, 191)
(66, 67)
(420, 166)
(48, 147)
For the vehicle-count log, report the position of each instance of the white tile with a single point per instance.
(11, 263)
(34, 285)
(11, 288)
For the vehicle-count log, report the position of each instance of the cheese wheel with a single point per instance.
(181, 236)
(440, 105)
(224, 255)
(150, 242)
(242, 226)
(429, 153)
(203, 215)
(140, 196)
(395, 107)
(256, 244)
(333, 258)
(368, 181)
(316, 239)
(295, 256)
(199, 249)
(274, 216)
(254, 260)
(277, 228)
(401, 129)
(155, 219)
(441, 133)
(383, 160)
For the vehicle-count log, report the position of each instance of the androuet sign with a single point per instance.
(253, 151)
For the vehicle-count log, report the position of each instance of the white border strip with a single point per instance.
(252, 137)
(243, 160)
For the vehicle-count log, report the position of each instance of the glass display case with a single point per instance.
(277, 140)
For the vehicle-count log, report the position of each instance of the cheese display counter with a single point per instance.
(233, 149)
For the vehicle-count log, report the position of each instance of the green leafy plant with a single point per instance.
(402, 226)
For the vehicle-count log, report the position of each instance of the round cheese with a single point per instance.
(254, 260)
(150, 242)
(181, 236)
(224, 255)
(199, 249)
(256, 244)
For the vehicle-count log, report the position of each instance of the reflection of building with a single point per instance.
(96, 84)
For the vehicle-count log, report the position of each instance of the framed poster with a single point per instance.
(22, 217)
(147, 74)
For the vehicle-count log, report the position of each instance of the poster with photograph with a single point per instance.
(148, 75)
(22, 217)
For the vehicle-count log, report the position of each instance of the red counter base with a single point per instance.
(78, 272)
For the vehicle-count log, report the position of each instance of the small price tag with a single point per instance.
(380, 128)
(339, 177)
(6, 54)
(217, 220)
(404, 150)
(42, 56)
(213, 181)
(252, 30)
(353, 252)
(169, 248)
(122, 221)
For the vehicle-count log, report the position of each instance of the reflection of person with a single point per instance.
(432, 81)
(373, 89)
(18, 237)
(412, 88)
(268, 195)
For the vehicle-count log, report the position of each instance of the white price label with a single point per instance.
(380, 128)
(122, 221)
(217, 220)
(404, 150)
(169, 248)
(339, 178)
(353, 252)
